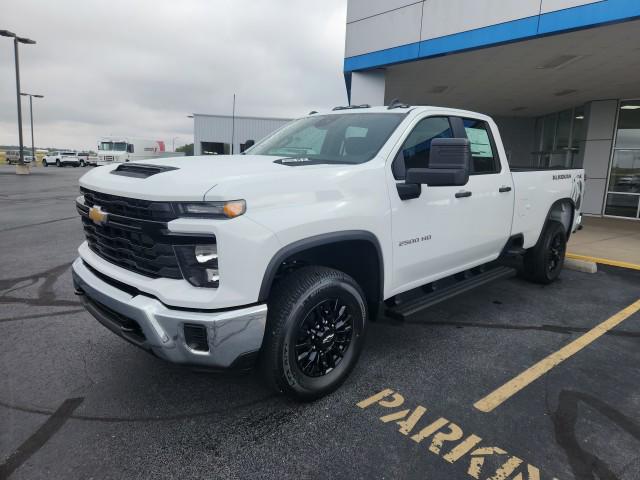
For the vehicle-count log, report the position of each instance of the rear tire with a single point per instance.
(44, 163)
(315, 331)
(58, 164)
(543, 263)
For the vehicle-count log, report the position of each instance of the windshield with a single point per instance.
(113, 146)
(346, 138)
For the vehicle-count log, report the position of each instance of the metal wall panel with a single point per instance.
(217, 128)
(446, 17)
(391, 29)
(597, 152)
(554, 5)
(381, 25)
(359, 9)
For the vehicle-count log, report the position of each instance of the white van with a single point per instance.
(13, 156)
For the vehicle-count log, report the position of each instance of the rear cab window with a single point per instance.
(485, 158)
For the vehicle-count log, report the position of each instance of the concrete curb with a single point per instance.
(604, 261)
(580, 265)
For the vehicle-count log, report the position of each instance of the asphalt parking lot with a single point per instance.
(78, 402)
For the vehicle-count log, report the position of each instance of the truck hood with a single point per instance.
(190, 178)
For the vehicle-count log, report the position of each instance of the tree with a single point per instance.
(186, 149)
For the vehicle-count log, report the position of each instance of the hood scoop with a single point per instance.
(139, 170)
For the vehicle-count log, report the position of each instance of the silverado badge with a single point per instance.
(98, 216)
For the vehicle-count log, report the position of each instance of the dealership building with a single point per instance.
(225, 134)
(561, 78)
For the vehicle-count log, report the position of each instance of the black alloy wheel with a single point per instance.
(543, 263)
(555, 255)
(324, 336)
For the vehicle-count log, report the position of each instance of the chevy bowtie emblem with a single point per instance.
(98, 216)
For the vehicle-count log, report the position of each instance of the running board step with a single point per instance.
(411, 307)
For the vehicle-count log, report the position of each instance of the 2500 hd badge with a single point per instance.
(424, 238)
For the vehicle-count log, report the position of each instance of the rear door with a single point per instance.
(491, 188)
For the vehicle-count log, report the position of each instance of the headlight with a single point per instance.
(230, 209)
(199, 264)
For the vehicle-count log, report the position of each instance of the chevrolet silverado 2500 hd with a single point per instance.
(283, 254)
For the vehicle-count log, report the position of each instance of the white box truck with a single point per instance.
(126, 149)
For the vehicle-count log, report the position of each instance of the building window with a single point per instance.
(559, 139)
(623, 196)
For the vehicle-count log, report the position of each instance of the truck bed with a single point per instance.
(536, 190)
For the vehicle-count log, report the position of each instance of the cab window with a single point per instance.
(415, 151)
(485, 159)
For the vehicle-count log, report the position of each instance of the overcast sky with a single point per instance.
(139, 67)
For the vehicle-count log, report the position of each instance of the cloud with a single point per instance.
(138, 68)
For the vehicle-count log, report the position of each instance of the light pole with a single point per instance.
(194, 134)
(233, 123)
(173, 143)
(33, 145)
(20, 168)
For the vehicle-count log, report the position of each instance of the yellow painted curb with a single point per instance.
(604, 261)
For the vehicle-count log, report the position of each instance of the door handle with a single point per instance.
(463, 194)
(504, 189)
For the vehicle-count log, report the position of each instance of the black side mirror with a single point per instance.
(249, 144)
(449, 161)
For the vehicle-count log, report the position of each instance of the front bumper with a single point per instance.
(232, 335)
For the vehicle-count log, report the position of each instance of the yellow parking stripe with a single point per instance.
(604, 261)
(509, 389)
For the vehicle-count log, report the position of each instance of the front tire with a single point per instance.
(543, 263)
(44, 163)
(315, 331)
(58, 164)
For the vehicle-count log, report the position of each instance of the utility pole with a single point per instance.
(15, 53)
(233, 123)
(33, 145)
(21, 169)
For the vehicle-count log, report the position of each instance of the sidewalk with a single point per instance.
(607, 238)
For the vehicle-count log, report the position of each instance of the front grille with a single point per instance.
(134, 250)
(135, 236)
(130, 207)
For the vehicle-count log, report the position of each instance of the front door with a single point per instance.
(447, 229)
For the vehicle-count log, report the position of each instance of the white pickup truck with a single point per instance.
(282, 255)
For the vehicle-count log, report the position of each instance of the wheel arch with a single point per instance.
(559, 212)
(344, 251)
